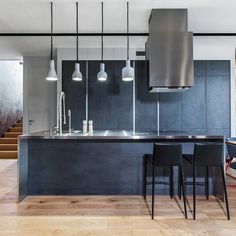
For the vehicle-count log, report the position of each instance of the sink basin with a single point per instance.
(76, 131)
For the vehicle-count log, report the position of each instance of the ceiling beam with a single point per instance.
(100, 34)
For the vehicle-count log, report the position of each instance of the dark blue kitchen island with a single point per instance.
(104, 163)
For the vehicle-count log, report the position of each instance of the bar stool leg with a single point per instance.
(171, 192)
(144, 177)
(207, 183)
(183, 189)
(225, 192)
(194, 191)
(179, 182)
(153, 188)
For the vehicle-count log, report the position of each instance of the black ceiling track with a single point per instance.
(100, 34)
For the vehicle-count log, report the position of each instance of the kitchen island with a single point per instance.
(102, 163)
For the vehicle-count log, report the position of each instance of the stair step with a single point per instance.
(8, 154)
(8, 147)
(15, 129)
(8, 140)
(12, 134)
(18, 125)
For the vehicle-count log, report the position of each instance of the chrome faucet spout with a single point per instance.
(69, 120)
(61, 106)
(64, 108)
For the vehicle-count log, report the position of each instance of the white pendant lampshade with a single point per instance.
(52, 75)
(77, 76)
(102, 75)
(128, 72)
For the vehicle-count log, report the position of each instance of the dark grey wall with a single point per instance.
(203, 109)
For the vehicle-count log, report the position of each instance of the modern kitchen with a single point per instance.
(128, 119)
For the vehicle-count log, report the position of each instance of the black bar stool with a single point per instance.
(164, 155)
(207, 155)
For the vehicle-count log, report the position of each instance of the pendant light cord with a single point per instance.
(127, 30)
(77, 32)
(102, 32)
(51, 30)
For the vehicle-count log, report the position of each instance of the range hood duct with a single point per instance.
(169, 51)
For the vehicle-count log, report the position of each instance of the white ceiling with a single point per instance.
(34, 16)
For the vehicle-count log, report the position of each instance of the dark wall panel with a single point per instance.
(145, 102)
(170, 111)
(194, 106)
(218, 106)
(200, 68)
(218, 68)
(121, 97)
(218, 97)
(99, 105)
(75, 93)
(110, 102)
(204, 108)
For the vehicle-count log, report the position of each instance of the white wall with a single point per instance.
(39, 95)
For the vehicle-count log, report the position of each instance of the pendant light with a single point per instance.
(52, 75)
(77, 76)
(102, 75)
(128, 71)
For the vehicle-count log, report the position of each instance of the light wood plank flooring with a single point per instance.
(106, 215)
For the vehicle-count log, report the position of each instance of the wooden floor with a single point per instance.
(106, 215)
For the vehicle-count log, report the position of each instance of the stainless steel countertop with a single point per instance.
(118, 135)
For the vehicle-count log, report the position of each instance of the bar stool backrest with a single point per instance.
(231, 139)
(167, 154)
(209, 154)
(231, 148)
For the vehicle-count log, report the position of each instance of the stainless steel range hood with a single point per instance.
(169, 51)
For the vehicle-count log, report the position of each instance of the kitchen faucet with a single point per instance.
(69, 117)
(59, 118)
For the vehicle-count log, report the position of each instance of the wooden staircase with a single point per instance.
(9, 142)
